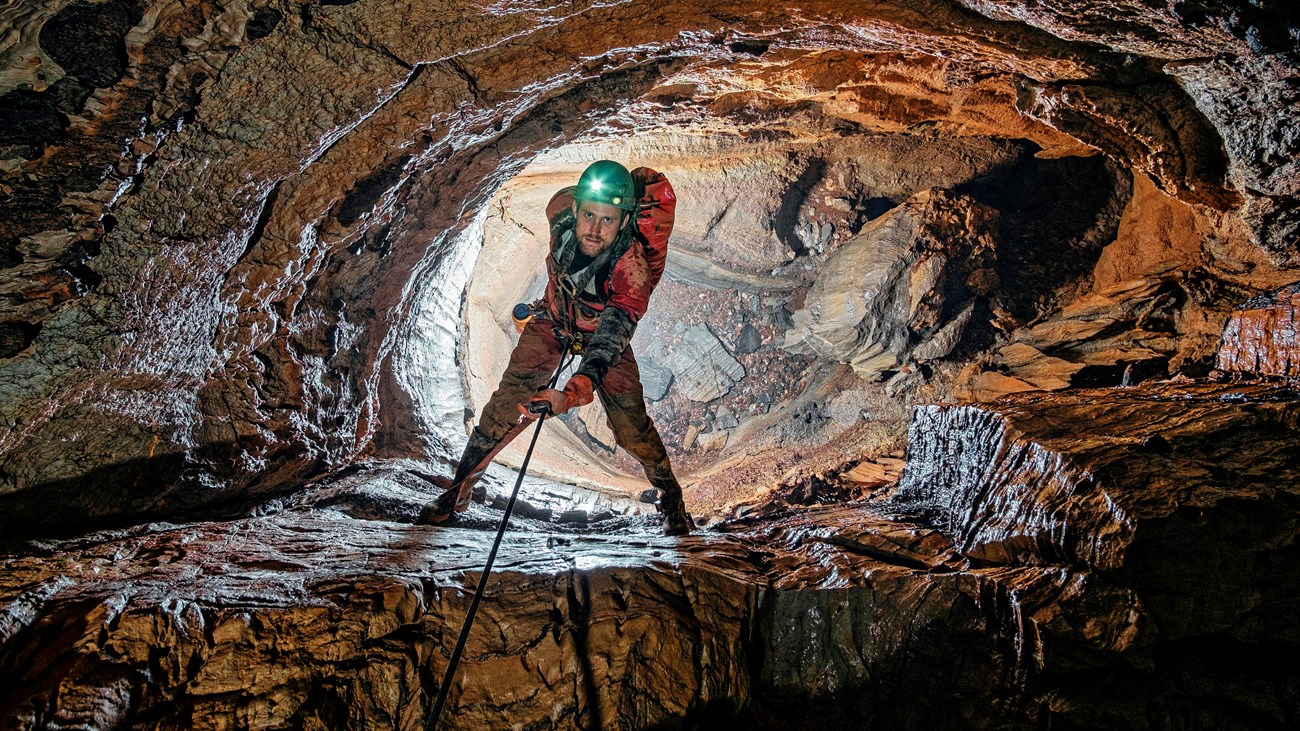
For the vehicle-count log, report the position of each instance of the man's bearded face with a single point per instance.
(598, 225)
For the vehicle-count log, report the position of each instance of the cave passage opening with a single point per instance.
(744, 376)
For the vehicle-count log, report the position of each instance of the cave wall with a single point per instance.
(215, 216)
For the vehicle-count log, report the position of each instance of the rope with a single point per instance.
(450, 674)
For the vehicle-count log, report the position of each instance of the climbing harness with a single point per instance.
(565, 359)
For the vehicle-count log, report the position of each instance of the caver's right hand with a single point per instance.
(577, 392)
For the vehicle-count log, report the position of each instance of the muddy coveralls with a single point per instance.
(600, 306)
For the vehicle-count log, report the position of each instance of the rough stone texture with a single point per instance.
(1214, 464)
(902, 288)
(1232, 59)
(1121, 335)
(305, 620)
(1027, 574)
(655, 379)
(748, 341)
(1263, 336)
(219, 222)
(876, 473)
(702, 368)
(1185, 496)
(214, 216)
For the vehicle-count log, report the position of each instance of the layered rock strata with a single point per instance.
(904, 289)
(1263, 336)
(1178, 503)
(1122, 335)
(1027, 574)
(317, 621)
(214, 216)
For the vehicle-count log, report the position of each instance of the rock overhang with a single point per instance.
(253, 345)
(838, 614)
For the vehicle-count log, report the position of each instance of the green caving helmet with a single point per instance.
(605, 181)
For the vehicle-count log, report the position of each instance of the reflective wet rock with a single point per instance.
(1042, 559)
(1263, 336)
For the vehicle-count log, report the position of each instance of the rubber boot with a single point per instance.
(456, 497)
(677, 522)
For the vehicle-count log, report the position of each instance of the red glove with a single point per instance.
(577, 392)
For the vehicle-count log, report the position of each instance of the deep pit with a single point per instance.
(975, 353)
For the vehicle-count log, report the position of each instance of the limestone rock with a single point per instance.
(655, 379)
(214, 217)
(1042, 559)
(692, 435)
(713, 441)
(725, 419)
(899, 287)
(1022, 482)
(873, 473)
(979, 385)
(702, 368)
(597, 424)
(1263, 336)
(1121, 335)
(232, 627)
(748, 341)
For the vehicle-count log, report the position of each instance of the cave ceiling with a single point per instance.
(226, 224)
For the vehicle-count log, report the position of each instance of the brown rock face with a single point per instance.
(311, 621)
(238, 284)
(1263, 336)
(1177, 503)
(902, 290)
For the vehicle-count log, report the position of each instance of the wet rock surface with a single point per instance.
(1025, 573)
(1263, 336)
(237, 243)
(294, 620)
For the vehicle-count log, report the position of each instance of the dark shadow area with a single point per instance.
(171, 487)
(1210, 682)
(16, 335)
(787, 215)
(369, 190)
(873, 208)
(1055, 217)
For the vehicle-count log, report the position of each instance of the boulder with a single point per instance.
(873, 473)
(702, 368)
(713, 441)
(725, 419)
(901, 289)
(655, 379)
(749, 340)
